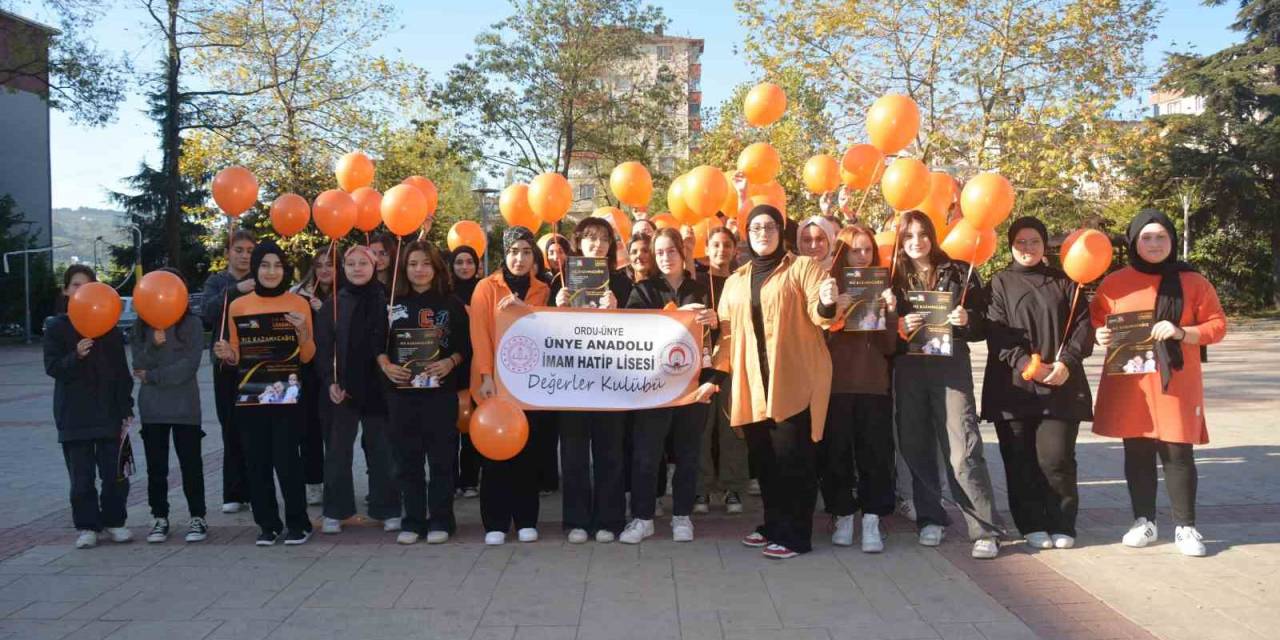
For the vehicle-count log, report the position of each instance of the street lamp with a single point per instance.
(488, 200)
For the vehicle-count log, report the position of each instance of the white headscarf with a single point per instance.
(829, 229)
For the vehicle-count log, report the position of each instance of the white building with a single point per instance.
(1165, 103)
(24, 123)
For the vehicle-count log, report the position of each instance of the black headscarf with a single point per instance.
(519, 285)
(1028, 222)
(770, 261)
(362, 351)
(1168, 294)
(761, 268)
(265, 248)
(464, 288)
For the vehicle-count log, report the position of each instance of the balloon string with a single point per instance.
(395, 271)
(857, 215)
(974, 256)
(893, 260)
(333, 257)
(226, 294)
(1070, 316)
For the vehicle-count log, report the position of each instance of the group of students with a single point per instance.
(783, 398)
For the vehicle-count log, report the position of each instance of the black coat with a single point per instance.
(92, 395)
(951, 277)
(446, 313)
(656, 292)
(329, 338)
(1027, 314)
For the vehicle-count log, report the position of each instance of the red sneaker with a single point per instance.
(754, 539)
(778, 552)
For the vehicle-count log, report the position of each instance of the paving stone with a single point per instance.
(195, 630)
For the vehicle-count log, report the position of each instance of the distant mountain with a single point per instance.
(79, 227)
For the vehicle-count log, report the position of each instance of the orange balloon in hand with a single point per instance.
(353, 171)
(986, 200)
(704, 191)
(513, 204)
(893, 122)
(94, 309)
(905, 183)
(676, 201)
(289, 214)
(235, 190)
(821, 173)
(550, 196)
(467, 233)
(428, 189)
(759, 162)
(368, 208)
(861, 166)
(499, 428)
(631, 184)
(465, 408)
(160, 299)
(335, 213)
(967, 243)
(1086, 255)
(764, 105)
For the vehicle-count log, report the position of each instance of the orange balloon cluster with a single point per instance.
(403, 209)
(235, 190)
(368, 208)
(968, 243)
(893, 122)
(701, 232)
(335, 213)
(467, 233)
(499, 428)
(704, 191)
(428, 189)
(942, 194)
(94, 309)
(550, 197)
(861, 166)
(986, 200)
(1086, 255)
(354, 170)
(617, 219)
(664, 221)
(160, 299)
(289, 215)
(759, 162)
(886, 244)
(631, 184)
(764, 105)
(821, 174)
(676, 202)
(905, 183)
(513, 204)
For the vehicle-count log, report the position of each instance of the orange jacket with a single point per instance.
(799, 363)
(482, 311)
(252, 304)
(1135, 406)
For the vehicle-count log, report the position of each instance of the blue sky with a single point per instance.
(88, 162)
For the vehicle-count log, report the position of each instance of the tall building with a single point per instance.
(1164, 103)
(24, 123)
(659, 53)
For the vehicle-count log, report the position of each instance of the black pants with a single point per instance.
(424, 429)
(186, 443)
(546, 446)
(788, 479)
(1180, 478)
(857, 448)
(685, 425)
(311, 447)
(235, 471)
(591, 461)
(270, 437)
(345, 421)
(468, 463)
(89, 510)
(509, 488)
(1040, 468)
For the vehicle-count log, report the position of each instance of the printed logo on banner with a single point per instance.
(520, 354)
(677, 357)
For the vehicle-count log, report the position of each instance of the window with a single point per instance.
(664, 52)
(587, 191)
(695, 110)
(667, 164)
(1155, 110)
(623, 84)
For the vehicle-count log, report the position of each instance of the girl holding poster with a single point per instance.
(776, 307)
(672, 286)
(430, 338)
(934, 393)
(278, 339)
(1159, 413)
(508, 488)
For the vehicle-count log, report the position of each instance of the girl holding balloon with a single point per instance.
(92, 404)
(1034, 388)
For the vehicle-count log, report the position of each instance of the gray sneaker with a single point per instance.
(159, 530)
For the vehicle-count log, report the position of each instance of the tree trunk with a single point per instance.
(1275, 265)
(172, 145)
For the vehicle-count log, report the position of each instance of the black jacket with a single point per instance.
(656, 292)
(91, 395)
(1027, 314)
(951, 277)
(325, 346)
(428, 309)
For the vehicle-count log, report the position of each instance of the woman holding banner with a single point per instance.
(1037, 410)
(1158, 415)
(672, 286)
(508, 488)
(933, 386)
(465, 265)
(776, 307)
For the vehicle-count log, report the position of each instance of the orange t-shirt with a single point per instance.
(252, 304)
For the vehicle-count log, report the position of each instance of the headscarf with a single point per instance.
(1169, 292)
(770, 261)
(464, 288)
(519, 285)
(829, 229)
(761, 268)
(265, 248)
(1027, 222)
(365, 316)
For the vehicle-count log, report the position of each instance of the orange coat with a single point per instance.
(482, 311)
(799, 363)
(1134, 406)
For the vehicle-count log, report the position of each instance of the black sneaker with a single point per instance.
(159, 530)
(294, 537)
(267, 538)
(732, 502)
(198, 530)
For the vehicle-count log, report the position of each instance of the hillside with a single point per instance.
(79, 227)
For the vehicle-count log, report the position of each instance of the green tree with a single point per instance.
(14, 237)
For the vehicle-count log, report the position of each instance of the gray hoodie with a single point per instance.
(170, 394)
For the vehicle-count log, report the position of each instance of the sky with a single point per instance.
(436, 34)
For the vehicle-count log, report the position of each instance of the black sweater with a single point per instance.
(951, 277)
(91, 395)
(656, 292)
(326, 332)
(447, 314)
(1027, 314)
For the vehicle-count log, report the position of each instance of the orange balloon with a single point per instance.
(986, 200)
(886, 244)
(617, 219)
(464, 410)
(235, 190)
(905, 183)
(677, 202)
(631, 184)
(821, 173)
(730, 204)
(160, 299)
(942, 194)
(1086, 255)
(514, 206)
(861, 166)
(967, 243)
(289, 215)
(764, 105)
(893, 122)
(335, 213)
(353, 171)
(499, 428)
(759, 162)
(704, 190)
(467, 233)
(550, 196)
(94, 309)
(428, 189)
(664, 221)
(701, 232)
(368, 208)
(403, 209)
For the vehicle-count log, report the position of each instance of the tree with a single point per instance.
(1231, 153)
(74, 75)
(13, 283)
(559, 78)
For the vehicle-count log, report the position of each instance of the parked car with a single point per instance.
(128, 316)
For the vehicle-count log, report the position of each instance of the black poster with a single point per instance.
(865, 285)
(1132, 351)
(587, 280)
(933, 338)
(269, 370)
(414, 349)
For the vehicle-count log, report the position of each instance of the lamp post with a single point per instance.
(488, 199)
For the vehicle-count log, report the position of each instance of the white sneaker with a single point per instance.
(1063, 541)
(1189, 541)
(407, 537)
(843, 535)
(470, 492)
(391, 524)
(1141, 534)
(658, 511)
(636, 531)
(120, 534)
(681, 529)
(437, 537)
(1038, 540)
(931, 535)
(315, 494)
(527, 534)
(985, 549)
(577, 536)
(872, 540)
(87, 539)
(232, 507)
(907, 508)
(330, 525)
(701, 504)
(753, 487)
(494, 538)
(605, 536)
